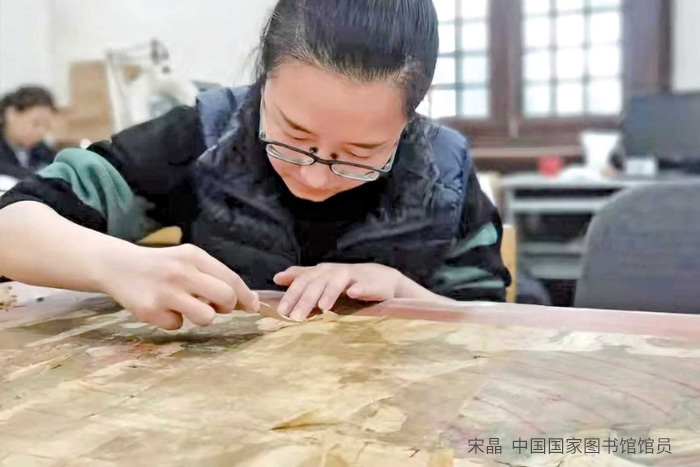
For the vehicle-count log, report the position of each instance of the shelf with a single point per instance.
(528, 153)
(535, 181)
(555, 268)
(557, 206)
(552, 248)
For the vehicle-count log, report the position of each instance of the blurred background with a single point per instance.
(566, 102)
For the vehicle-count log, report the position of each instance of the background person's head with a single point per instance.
(343, 78)
(26, 116)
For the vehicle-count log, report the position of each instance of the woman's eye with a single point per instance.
(296, 137)
(358, 156)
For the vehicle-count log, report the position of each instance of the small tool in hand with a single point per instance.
(271, 312)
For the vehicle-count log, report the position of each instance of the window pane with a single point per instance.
(572, 59)
(605, 3)
(604, 61)
(475, 103)
(570, 30)
(538, 100)
(446, 9)
(474, 36)
(447, 38)
(536, 6)
(538, 66)
(605, 97)
(475, 70)
(443, 103)
(475, 9)
(445, 71)
(537, 32)
(569, 5)
(570, 99)
(605, 27)
(570, 64)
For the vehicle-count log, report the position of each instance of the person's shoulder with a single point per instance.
(174, 138)
(43, 153)
(217, 108)
(449, 141)
(451, 152)
(6, 153)
(156, 155)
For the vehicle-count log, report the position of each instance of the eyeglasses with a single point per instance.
(287, 153)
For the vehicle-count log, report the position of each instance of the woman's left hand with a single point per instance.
(320, 286)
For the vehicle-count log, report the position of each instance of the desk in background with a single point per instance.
(395, 384)
(508, 160)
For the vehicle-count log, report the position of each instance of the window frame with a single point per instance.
(646, 69)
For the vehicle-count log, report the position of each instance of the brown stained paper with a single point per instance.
(273, 321)
(7, 298)
(97, 388)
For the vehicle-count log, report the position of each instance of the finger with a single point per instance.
(221, 295)
(294, 293)
(247, 299)
(194, 309)
(308, 300)
(366, 292)
(165, 319)
(333, 290)
(285, 278)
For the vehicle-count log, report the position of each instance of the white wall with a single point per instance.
(686, 45)
(209, 40)
(25, 38)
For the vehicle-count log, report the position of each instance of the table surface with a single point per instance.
(400, 383)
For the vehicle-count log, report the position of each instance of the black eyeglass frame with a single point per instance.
(374, 172)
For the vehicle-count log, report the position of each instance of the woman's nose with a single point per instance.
(316, 175)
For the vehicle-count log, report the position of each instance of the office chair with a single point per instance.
(643, 251)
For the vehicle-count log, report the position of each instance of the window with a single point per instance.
(572, 57)
(461, 85)
(531, 70)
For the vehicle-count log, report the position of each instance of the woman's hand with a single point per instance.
(320, 286)
(161, 285)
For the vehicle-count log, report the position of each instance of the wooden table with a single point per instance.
(395, 384)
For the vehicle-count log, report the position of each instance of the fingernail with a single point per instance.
(282, 308)
(296, 315)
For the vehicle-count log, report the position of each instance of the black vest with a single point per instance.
(243, 219)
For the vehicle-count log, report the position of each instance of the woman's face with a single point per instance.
(307, 107)
(27, 128)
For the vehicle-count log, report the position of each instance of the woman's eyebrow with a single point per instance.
(368, 145)
(298, 127)
(293, 124)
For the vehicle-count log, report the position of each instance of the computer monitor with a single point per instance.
(666, 127)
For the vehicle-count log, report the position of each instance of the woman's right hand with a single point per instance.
(161, 285)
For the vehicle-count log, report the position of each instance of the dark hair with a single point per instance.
(24, 98)
(364, 40)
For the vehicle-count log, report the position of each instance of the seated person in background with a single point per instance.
(25, 118)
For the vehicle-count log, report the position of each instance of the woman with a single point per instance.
(319, 178)
(25, 119)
